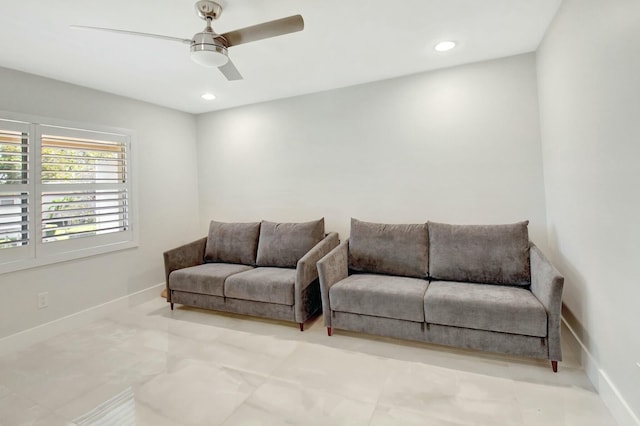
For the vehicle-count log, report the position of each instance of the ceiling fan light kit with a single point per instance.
(210, 49)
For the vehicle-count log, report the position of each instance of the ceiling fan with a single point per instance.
(210, 49)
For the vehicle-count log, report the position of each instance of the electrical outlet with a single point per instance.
(43, 300)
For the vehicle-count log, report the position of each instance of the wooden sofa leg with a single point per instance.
(554, 366)
(329, 331)
(172, 306)
(301, 326)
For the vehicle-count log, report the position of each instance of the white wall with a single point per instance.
(166, 183)
(589, 80)
(459, 145)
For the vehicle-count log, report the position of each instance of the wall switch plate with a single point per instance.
(43, 300)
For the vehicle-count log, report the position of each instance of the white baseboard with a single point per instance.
(610, 395)
(46, 331)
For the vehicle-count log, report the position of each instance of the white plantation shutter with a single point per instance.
(64, 193)
(15, 189)
(14, 154)
(14, 219)
(84, 185)
(73, 214)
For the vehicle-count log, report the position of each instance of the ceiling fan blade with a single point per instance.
(134, 33)
(269, 29)
(230, 71)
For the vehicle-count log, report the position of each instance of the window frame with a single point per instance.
(38, 253)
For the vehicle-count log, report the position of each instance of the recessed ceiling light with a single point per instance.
(445, 46)
(208, 96)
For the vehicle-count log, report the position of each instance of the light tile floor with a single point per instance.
(148, 365)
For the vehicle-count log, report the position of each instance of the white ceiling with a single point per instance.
(343, 43)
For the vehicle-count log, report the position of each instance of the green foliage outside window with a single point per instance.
(10, 163)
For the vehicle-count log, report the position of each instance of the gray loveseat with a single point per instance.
(481, 287)
(263, 269)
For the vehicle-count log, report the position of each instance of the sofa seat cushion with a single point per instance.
(263, 284)
(485, 307)
(380, 295)
(382, 248)
(204, 279)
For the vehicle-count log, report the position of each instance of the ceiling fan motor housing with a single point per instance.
(206, 43)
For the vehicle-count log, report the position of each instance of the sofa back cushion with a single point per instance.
(490, 254)
(283, 244)
(389, 249)
(232, 242)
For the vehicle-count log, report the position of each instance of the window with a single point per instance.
(64, 193)
(15, 192)
(14, 219)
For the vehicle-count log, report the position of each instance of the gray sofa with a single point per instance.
(482, 287)
(263, 269)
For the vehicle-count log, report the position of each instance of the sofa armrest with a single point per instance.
(547, 285)
(190, 254)
(307, 272)
(332, 268)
